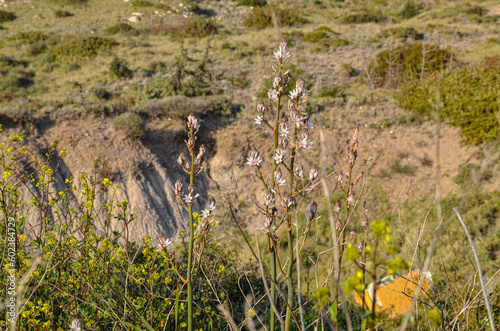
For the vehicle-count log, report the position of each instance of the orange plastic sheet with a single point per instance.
(394, 296)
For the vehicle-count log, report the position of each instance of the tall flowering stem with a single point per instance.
(187, 201)
(290, 134)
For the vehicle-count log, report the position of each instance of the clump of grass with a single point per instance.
(406, 63)
(101, 93)
(130, 124)
(118, 68)
(29, 37)
(324, 37)
(177, 106)
(121, 28)
(62, 13)
(400, 168)
(78, 49)
(410, 9)
(252, 3)
(68, 2)
(365, 16)
(261, 17)
(191, 28)
(401, 33)
(17, 80)
(142, 3)
(6, 16)
(469, 99)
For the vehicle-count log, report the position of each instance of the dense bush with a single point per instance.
(79, 49)
(261, 17)
(101, 93)
(469, 95)
(324, 37)
(62, 13)
(6, 16)
(29, 37)
(16, 80)
(401, 33)
(119, 69)
(130, 124)
(142, 3)
(405, 63)
(410, 9)
(252, 3)
(364, 17)
(193, 27)
(68, 2)
(177, 106)
(121, 28)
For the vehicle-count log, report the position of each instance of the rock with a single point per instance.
(134, 19)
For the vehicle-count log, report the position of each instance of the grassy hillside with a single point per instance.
(115, 81)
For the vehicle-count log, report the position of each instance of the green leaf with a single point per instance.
(143, 321)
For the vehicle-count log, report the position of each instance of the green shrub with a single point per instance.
(62, 13)
(476, 10)
(252, 3)
(29, 37)
(470, 99)
(68, 2)
(410, 9)
(194, 27)
(401, 33)
(119, 69)
(364, 17)
(79, 49)
(177, 106)
(405, 63)
(324, 37)
(261, 17)
(101, 93)
(130, 124)
(142, 3)
(331, 92)
(120, 28)
(16, 79)
(6, 16)
(7, 63)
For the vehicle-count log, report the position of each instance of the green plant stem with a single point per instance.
(290, 243)
(190, 256)
(273, 253)
(290, 279)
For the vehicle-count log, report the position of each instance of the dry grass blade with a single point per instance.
(485, 294)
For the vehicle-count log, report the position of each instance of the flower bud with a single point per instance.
(261, 108)
(181, 159)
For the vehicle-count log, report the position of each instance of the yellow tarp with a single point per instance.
(395, 297)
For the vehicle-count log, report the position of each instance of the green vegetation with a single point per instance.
(131, 124)
(324, 37)
(410, 9)
(79, 49)
(142, 3)
(62, 13)
(121, 28)
(262, 17)
(193, 27)
(469, 97)
(6, 16)
(406, 63)
(364, 17)
(119, 69)
(252, 3)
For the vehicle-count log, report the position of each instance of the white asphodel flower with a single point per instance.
(164, 242)
(254, 159)
(259, 120)
(76, 325)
